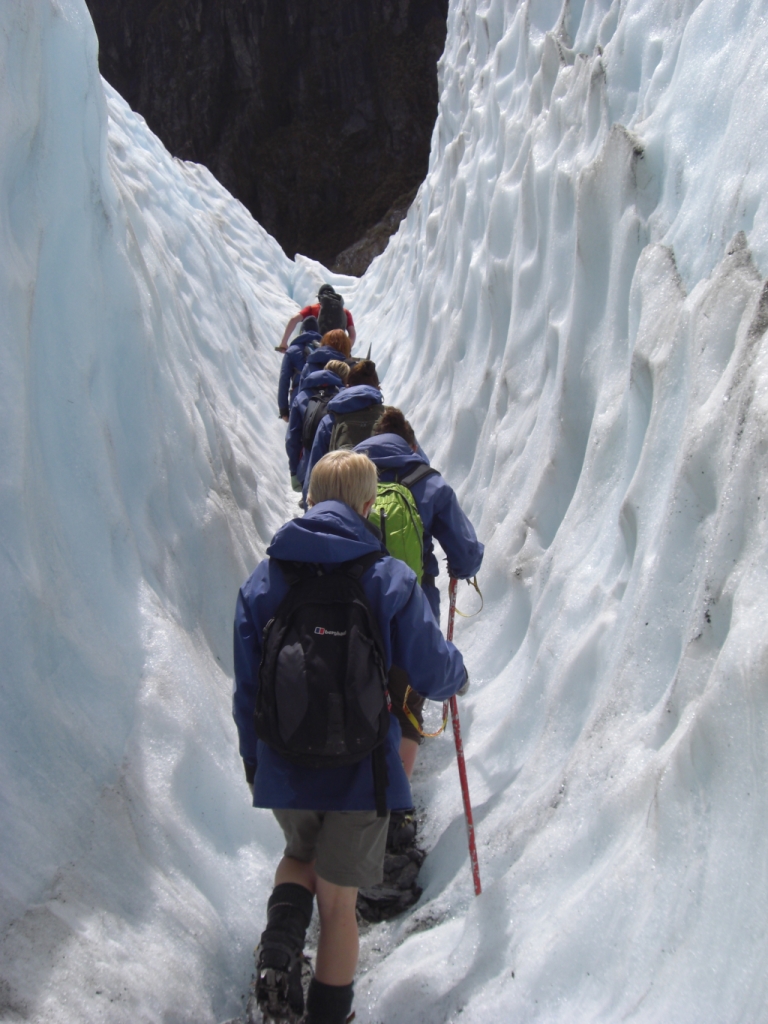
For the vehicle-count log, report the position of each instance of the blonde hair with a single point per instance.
(339, 368)
(339, 340)
(343, 476)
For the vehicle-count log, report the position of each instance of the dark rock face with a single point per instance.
(358, 257)
(316, 114)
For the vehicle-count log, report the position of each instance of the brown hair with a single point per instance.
(338, 367)
(339, 340)
(392, 421)
(345, 476)
(363, 372)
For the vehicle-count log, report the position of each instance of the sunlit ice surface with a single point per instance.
(572, 317)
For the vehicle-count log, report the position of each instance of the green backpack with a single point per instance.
(401, 526)
(396, 515)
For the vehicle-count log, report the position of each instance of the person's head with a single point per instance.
(345, 476)
(325, 289)
(363, 372)
(339, 368)
(338, 340)
(309, 323)
(392, 421)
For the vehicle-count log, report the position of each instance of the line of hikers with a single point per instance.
(337, 646)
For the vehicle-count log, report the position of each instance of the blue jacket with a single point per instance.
(438, 507)
(293, 363)
(297, 457)
(329, 533)
(317, 360)
(348, 400)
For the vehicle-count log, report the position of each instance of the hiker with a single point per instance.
(350, 416)
(394, 451)
(306, 414)
(294, 360)
(333, 345)
(340, 368)
(334, 833)
(330, 314)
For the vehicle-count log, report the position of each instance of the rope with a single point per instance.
(412, 718)
(471, 615)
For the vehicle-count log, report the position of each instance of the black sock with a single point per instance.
(328, 1004)
(290, 894)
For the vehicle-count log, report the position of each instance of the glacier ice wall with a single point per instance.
(136, 301)
(574, 314)
(573, 317)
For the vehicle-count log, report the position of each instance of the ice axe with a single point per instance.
(460, 753)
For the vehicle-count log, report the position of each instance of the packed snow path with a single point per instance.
(573, 316)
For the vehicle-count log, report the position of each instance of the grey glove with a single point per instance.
(465, 687)
(296, 484)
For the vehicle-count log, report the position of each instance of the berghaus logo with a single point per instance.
(322, 631)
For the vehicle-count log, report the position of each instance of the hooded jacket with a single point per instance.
(438, 507)
(317, 360)
(293, 363)
(348, 400)
(330, 533)
(313, 383)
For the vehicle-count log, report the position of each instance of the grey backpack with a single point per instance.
(350, 428)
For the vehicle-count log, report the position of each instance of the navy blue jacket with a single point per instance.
(293, 363)
(330, 533)
(348, 400)
(317, 360)
(438, 507)
(297, 457)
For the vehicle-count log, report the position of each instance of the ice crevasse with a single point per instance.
(573, 317)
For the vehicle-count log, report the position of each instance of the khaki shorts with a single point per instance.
(347, 846)
(397, 684)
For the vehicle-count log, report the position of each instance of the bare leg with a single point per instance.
(408, 751)
(291, 870)
(337, 949)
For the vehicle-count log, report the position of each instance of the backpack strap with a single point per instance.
(356, 568)
(334, 424)
(420, 473)
(380, 779)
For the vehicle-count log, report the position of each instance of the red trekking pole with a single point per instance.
(460, 754)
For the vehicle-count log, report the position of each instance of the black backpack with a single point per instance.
(350, 428)
(322, 698)
(332, 316)
(314, 413)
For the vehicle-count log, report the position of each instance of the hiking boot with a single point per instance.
(401, 832)
(279, 991)
(281, 961)
(399, 890)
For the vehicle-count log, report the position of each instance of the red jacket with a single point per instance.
(315, 311)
